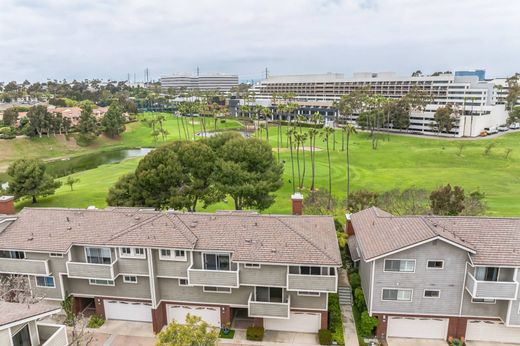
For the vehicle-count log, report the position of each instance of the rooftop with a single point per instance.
(14, 312)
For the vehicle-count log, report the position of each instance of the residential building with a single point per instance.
(20, 325)
(473, 98)
(215, 82)
(238, 267)
(435, 276)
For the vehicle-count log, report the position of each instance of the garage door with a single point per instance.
(305, 322)
(129, 311)
(416, 327)
(492, 331)
(209, 314)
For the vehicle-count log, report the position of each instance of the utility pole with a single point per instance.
(198, 71)
(266, 73)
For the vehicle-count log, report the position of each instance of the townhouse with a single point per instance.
(236, 267)
(435, 277)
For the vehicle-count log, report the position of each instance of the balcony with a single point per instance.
(269, 310)
(52, 334)
(502, 290)
(83, 270)
(315, 283)
(217, 278)
(24, 266)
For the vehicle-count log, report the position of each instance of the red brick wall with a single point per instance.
(258, 322)
(159, 318)
(297, 206)
(225, 315)
(100, 306)
(324, 320)
(7, 205)
(381, 326)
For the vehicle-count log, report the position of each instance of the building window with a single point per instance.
(483, 301)
(97, 282)
(213, 289)
(435, 264)
(127, 279)
(403, 266)
(12, 254)
(45, 281)
(98, 255)
(180, 253)
(166, 253)
(128, 252)
(305, 270)
(397, 294)
(216, 262)
(175, 255)
(183, 282)
(307, 293)
(54, 254)
(486, 273)
(251, 265)
(432, 294)
(139, 251)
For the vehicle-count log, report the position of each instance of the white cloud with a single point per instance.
(42, 39)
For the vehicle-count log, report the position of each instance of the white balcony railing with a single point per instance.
(216, 278)
(83, 270)
(269, 309)
(502, 290)
(52, 334)
(24, 266)
(312, 283)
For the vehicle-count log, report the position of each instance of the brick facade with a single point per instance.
(7, 205)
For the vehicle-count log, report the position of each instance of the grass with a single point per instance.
(399, 162)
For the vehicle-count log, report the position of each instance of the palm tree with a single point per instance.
(313, 133)
(266, 112)
(279, 109)
(326, 132)
(290, 133)
(350, 130)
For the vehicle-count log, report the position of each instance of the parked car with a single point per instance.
(514, 126)
(503, 128)
(491, 130)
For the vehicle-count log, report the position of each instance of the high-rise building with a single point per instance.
(218, 82)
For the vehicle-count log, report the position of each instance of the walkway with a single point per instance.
(272, 338)
(123, 333)
(349, 332)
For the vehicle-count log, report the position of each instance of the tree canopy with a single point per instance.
(29, 179)
(113, 122)
(193, 332)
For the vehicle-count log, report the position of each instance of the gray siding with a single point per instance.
(132, 266)
(261, 309)
(448, 280)
(78, 253)
(266, 275)
(25, 266)
(213, 278)
(47, 292)
(56, 264)
(170, 290)
(178, 269)
(482, 309)
(312, 283)
(365, 272)
(514, 317)
(94, 271)
(139, 290)
(305, 302)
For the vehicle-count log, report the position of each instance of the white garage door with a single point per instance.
(209, 314)
(304, 322)
(417, 327)
(493, 331)
(129, 311)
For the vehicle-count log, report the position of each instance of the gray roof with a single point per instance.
(248, 235)
(490, 241)
(14, 312)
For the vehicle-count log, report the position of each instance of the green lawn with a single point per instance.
(399, 162)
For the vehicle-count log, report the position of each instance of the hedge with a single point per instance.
(255, 333)
(335, 322)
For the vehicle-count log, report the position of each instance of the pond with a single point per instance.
(60, 168)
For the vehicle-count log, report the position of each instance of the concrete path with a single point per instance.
(349, 332)
(272, 338)
(414, 342)
(123, 333)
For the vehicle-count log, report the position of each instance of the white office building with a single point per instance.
(217, 82)
(476, 100)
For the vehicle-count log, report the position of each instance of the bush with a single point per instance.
(325, 337)
(335, 322)
(355, 280)
(95, 321)
(359, 299)
(255, 333)
(367, 324)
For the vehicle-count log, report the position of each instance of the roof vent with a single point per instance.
(138, 218)
(273, 250)
(68, 220)
(249, 241)
(256, 223)
(69, 228)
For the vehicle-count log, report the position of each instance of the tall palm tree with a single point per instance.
(313, 133)
(350, 130)
(326, 133)
(290, 133)
(279, 109)
(266, 113)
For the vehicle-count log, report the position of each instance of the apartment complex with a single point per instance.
(435, 277)
(475, 99)
(215, 82)
(243, 268)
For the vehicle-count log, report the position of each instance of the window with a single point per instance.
(180, 253)
(269, 294)
(45, 281)
(405, 266)
(175, 255)
(216, 262)
(397, 294)
(435, 264)
(166, 253)
(310, 270)
(483, 301)
(101, 282)
(432, 294)
(127, 279)
(128, 252)
(183, 282)
(251, 265)
(22, 337)
(213, 289)
(486, 273)
(98, 255)
(54, 254)
(307, 293)
(12, 254)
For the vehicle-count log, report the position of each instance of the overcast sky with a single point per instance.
(58, 39)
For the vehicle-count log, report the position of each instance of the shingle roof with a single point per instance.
(13, 312)
(250, 236)
(491, 241)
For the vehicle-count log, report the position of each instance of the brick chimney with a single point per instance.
(297, 203)
(350, 228)
(7, 205)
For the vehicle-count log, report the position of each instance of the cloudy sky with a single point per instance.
(42, 39)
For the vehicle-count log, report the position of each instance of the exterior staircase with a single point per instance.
(345, 295)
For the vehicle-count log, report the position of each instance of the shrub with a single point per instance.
(95, 321)
(325, 337)
(359, 299)
(255, 333)
(355, 280)
(335, 322)
(367, 324)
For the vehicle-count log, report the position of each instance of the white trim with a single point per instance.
(415, 314)
(431, 290)
(182, 285)
(172, 256)
(397, 289)
(32, 318)
(306, 294)
(55, 255)
(252, 265)
(98, 247)
(45, 276)
(91, 283)
(494, 301)
(45, 262)
(217, 291)
(434, 268)
(399, 271)
(151, 278)
(132, 254)
(372, 287)
(129, 281)
(199, 303)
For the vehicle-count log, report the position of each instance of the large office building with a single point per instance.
(216, 82)
(474, 98)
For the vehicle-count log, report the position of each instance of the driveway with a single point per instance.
(487, 343)
(272, 338)
(415, 342)
(123, 333)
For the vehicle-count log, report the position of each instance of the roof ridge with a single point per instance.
(432, 226)
(131, 228)
(305, 238)
(188, 228)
